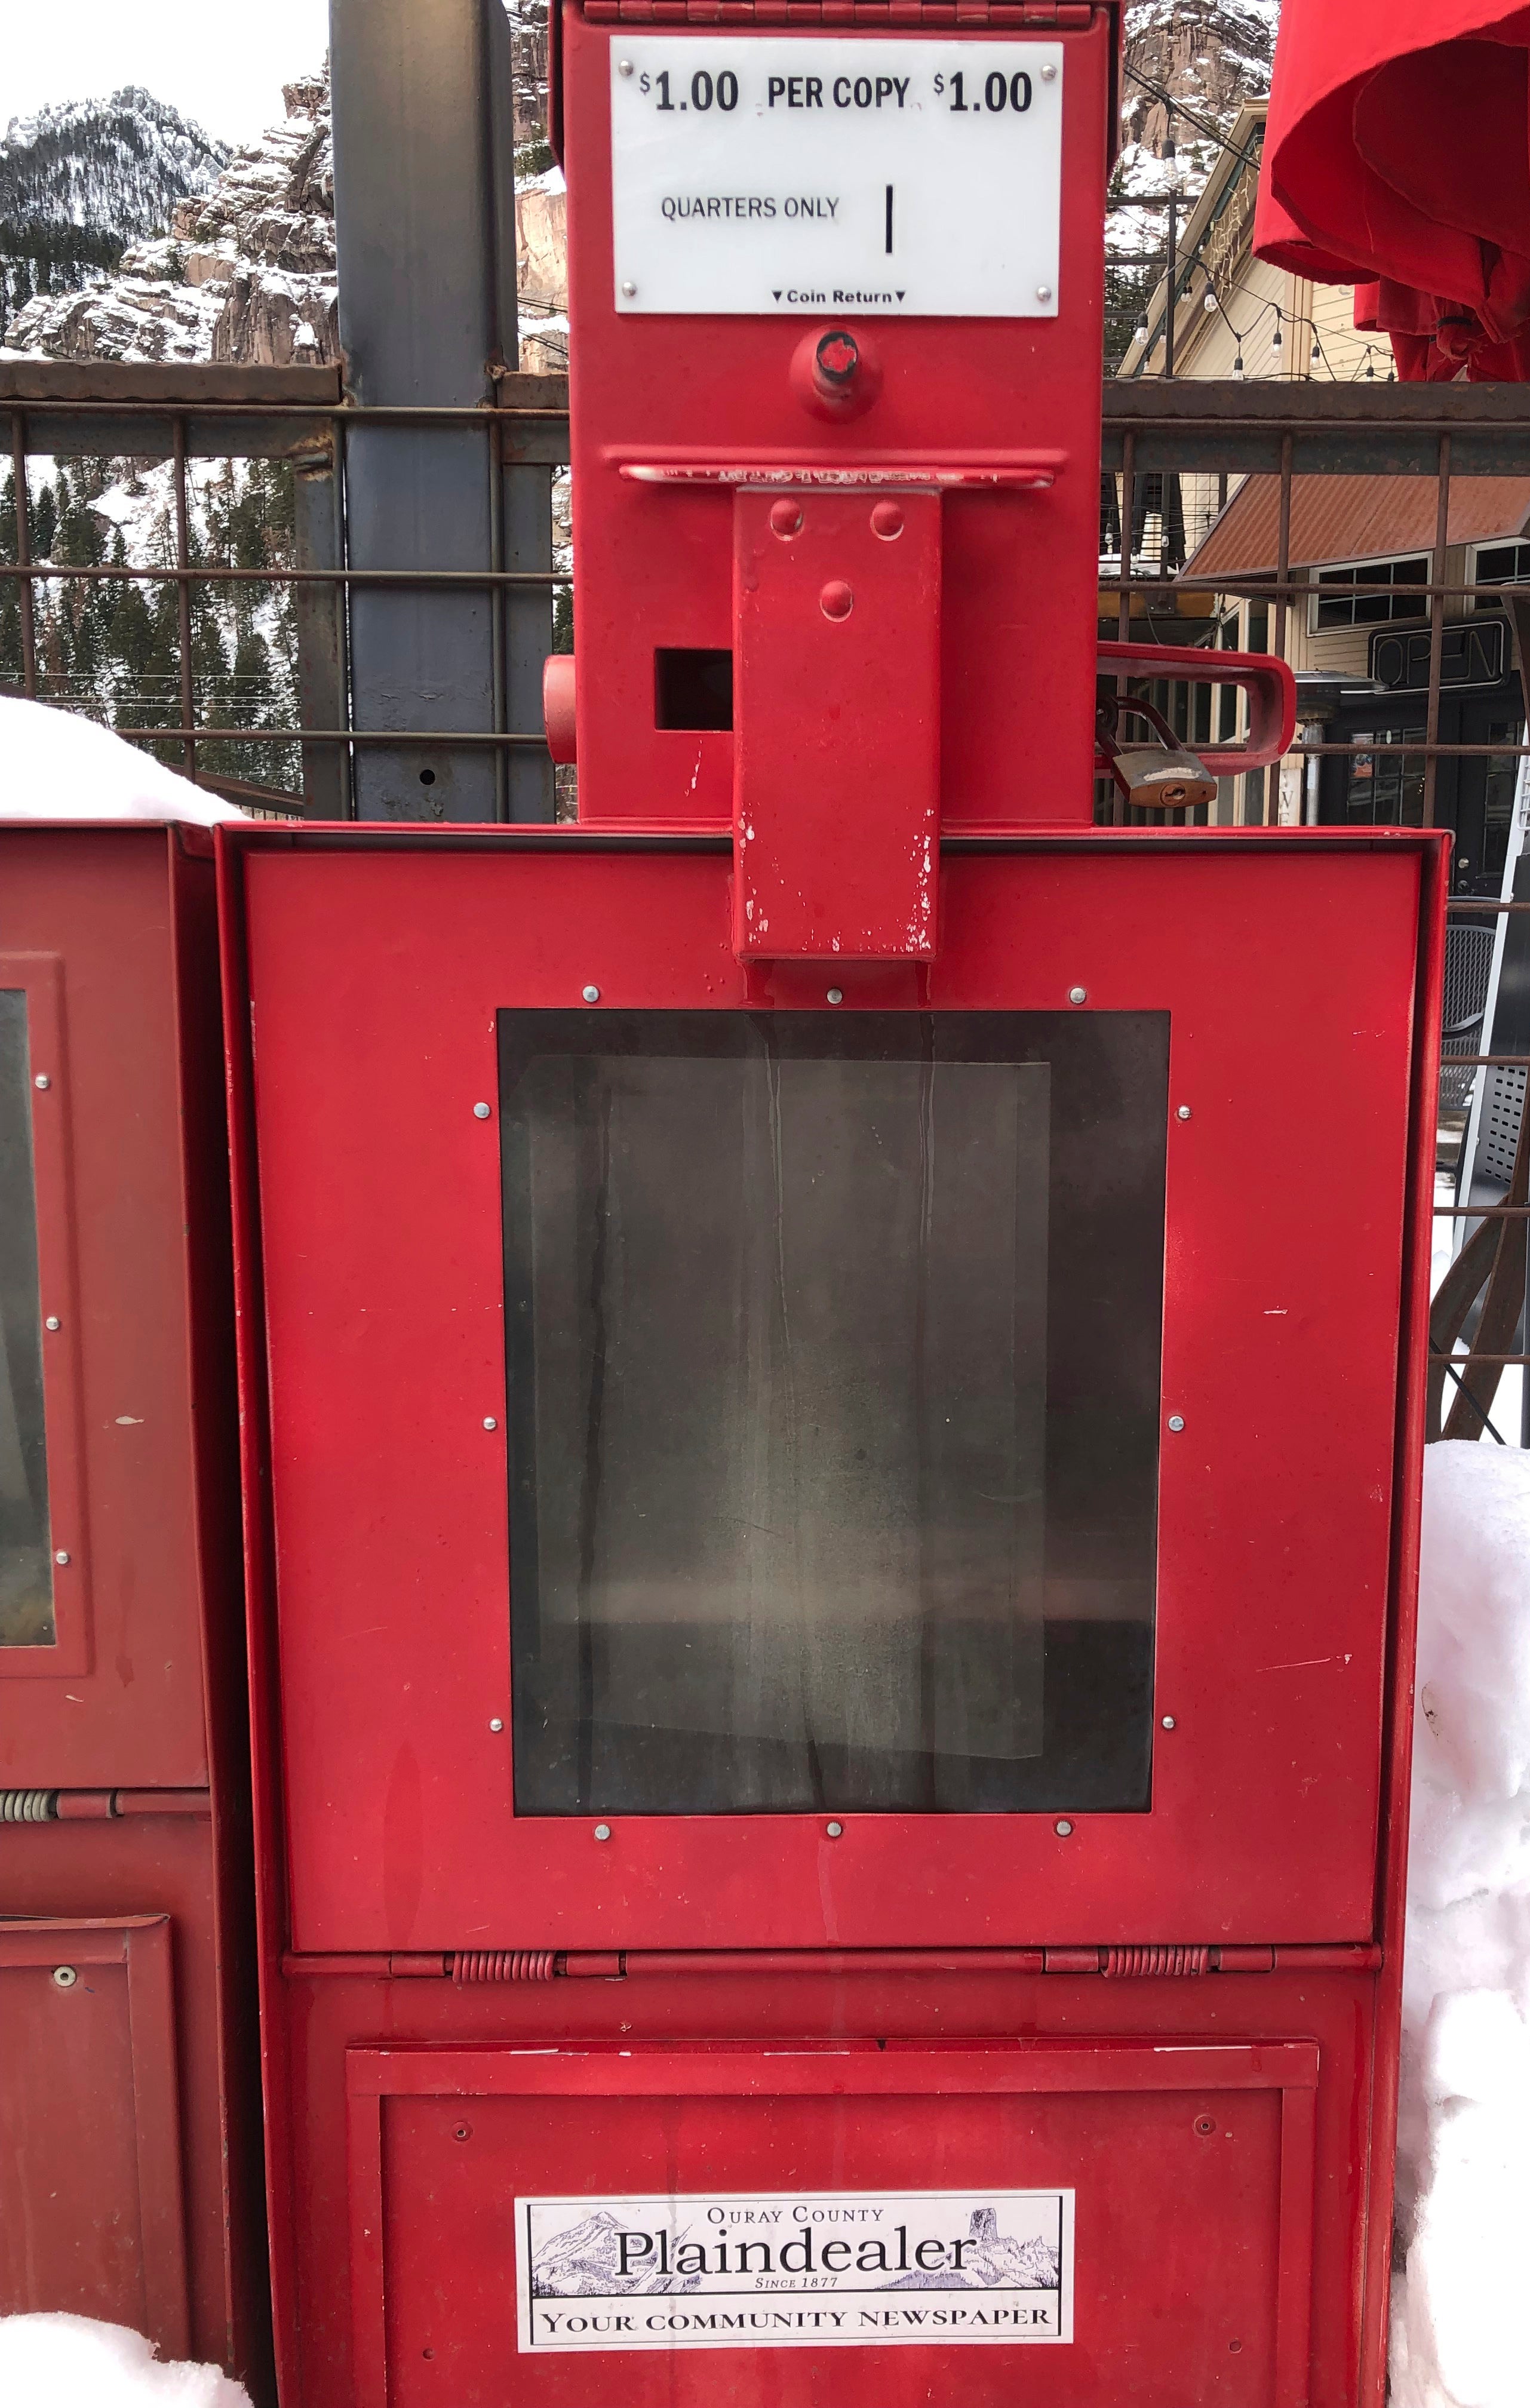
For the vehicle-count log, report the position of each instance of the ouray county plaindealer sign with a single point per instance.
(795, 2269)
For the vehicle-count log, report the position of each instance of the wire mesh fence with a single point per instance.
(175, 563)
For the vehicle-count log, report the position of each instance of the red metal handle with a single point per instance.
(1267, 683)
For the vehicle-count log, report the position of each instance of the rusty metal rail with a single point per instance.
(1154, 432)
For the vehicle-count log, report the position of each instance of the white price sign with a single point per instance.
(776, 176)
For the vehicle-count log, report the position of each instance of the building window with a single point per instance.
(1385, 789)
(1500, 564)
(1391, 600)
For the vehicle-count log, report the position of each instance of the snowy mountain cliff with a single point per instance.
(245, 273)
(80, 182)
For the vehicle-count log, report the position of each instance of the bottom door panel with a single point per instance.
(551, 2229)
(91, 2217)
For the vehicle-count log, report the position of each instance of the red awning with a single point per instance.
(1397, 159)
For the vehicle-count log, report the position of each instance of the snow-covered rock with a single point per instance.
(1464, 2137)
(73, 2362)
(1207, 57)
(246, 274)
(56, 766)
(80, 181)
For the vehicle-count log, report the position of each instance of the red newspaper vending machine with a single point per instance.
(833, 1480)
(130, 2164)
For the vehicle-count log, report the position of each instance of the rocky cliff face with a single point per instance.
(246, 272)
(1210, 56)
(1190, 66)
(541, 271)
(82, 182)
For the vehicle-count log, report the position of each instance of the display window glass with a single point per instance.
(832, 1372)
(26, 1574)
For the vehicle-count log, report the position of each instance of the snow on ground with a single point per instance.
(72, 2362)
(1463, 2138)
(56, 765)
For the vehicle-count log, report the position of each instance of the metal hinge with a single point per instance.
(97, 1805)
(477, 1965)
(1137, 1964)
(1032, 16)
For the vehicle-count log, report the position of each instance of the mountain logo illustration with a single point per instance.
(583, 2262)
(989, 2261)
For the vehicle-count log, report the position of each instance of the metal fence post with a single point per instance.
(425, 228)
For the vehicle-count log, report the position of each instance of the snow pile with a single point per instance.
(57, 765)
(71, 2362)
(1463, 2161)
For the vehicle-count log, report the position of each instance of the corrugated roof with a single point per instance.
(1352, 518)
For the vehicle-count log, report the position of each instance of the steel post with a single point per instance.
(425, 225)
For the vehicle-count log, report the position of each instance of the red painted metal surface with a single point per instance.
(416, 2062)
(1269, 684)
(145, 2205)
(400, 1020)
(700, 406)
(1259, 1901)
(834, 717)
(92, 2094)
(836, 807)
(441, 2140)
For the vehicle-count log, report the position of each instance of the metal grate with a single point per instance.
(1503, 1111)
(1469, 969)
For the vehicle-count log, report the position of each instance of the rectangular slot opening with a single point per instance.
(693, 688)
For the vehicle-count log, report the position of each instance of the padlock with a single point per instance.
(1162, 776)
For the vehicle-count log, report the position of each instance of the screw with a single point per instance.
(1043, 291)
(1048, 74)
(1176, 1421)
(1063, 1830)
(1183, 1113)
(629, 292)
(64, 1977)
(887, 522)
(1169, 1722)
(591, 994)
(785, 520)
(837, 600)
(489, 1421)
(833, 1831)
(836, 994)
(63, 1555)
(480, 1111)
(463, 2132)
(603, 1831)
(1205, 2126)
(42, 1080)
(52, 1321)
(496, 1722)
(1077, 995)
(623, 67)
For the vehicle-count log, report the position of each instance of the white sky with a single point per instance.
(221, 62)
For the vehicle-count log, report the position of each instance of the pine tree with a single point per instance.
(11, 642)
(45, 523)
